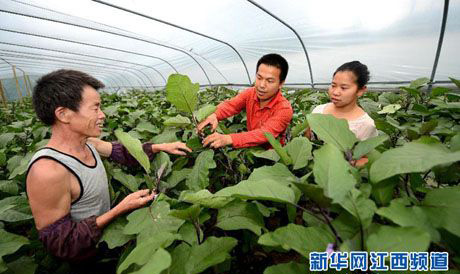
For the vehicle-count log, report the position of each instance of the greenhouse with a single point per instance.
(206, 153)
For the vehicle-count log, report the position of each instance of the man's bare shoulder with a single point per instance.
(47, 171)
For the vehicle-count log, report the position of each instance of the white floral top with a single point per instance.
(363, 127)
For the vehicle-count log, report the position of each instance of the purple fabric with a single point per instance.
(70, 240)
(121, 155)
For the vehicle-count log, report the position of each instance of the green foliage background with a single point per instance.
(251, 210)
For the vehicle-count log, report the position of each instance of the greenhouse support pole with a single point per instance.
(295, 33)
(30, 84)
(3, 95)
(25, 83)
(441, 38)
(18, 89)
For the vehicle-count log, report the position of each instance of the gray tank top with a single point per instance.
(94, 196)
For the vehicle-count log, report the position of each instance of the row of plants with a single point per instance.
(251, 210)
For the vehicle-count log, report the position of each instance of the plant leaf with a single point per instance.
(390, 109)
(278, 148)
(145, 250)
(332, 173)
(299, 149)
(113, 233)
(269, 190)
(332, 130)
(366, 146)
(240, 215)
(191, 213)
(182, 93)
(178, 121)
(302, 239)
(159, 261)
(129, 181)
(287, 268)
(410, 158)
(204, 112)
(204, 198)
(211, 252)
(134, 148)
(398, 239)
(442, 206)
(199, 177)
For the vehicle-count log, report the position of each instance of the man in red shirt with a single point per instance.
(266, 108)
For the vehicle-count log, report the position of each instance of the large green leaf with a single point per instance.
(401, 214)
(162, 164)
(182, 93)
(332, 172)
(134, 148)
(300, 151)
(23, 265)
(398, 239)
(332, 130)
(199, 177)
(145, 126)
(299, 128)
(23, 165)
(269, 154)
(145, 250)
(10, 243)
(420, 82)
(204, 198)
(180, 256)
(240, 215)
(177, 176)
(129, 181)
(191, 213)
(366, 146)
(113, 233)
(204, 112)
(279, 173)
(5, 138)
(159, 261)
(410, 158)
(10, 187)
(442, 206)
(152, 220)
(278, 148)
(178, 121)
(10, 209)
(390, 109)
(287, 268)
(358, 205)
(314, 193)
(302, 239)
(213, 251)
(268, 189)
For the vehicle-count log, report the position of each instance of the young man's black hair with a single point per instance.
(275, 60)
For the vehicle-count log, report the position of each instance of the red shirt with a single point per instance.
(273, 118)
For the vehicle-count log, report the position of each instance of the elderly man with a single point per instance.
(66, 182)
(266, 108)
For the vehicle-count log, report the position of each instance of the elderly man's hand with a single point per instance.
(217, 140)
(177, 148)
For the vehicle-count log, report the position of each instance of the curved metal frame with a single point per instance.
(179, 27)
(87, 61)
(109, 32)
(295, 33)
(78, 64)
(40, 66)
(441, 39)
(81, 43)
(86, 55)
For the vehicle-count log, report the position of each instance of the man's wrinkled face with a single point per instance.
(89, 118)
